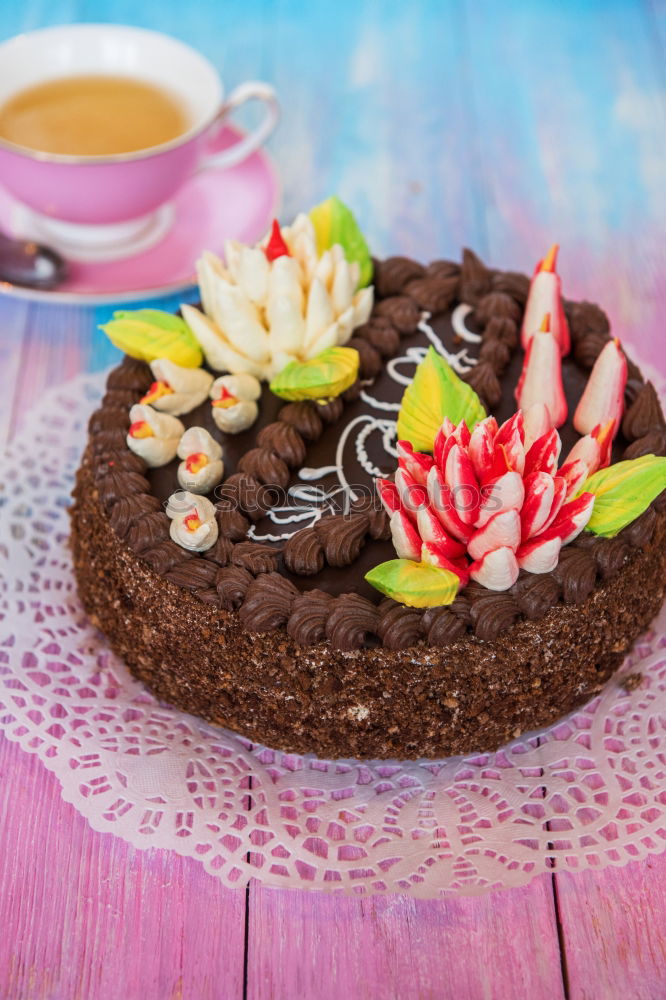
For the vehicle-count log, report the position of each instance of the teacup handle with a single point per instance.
(251, 90)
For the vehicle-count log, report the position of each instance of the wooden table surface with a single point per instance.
(501, 126)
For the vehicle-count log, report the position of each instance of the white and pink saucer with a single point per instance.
(155, 256)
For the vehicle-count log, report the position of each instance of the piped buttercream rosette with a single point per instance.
(260, 314)
(153, 436)
(234, 402)
(202, 467)
(193, 524)
(176, 390)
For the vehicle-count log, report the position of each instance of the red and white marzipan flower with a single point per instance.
(545, 296)
(603, 398)
(541, 378)
(489, 503)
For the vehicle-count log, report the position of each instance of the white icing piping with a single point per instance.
(294, 515)
(414, 356)
(388, 428)
(458, 317)
(318, 501)
(308, 474)
(461, 362)
(379, 404)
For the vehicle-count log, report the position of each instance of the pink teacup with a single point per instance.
(104, 207)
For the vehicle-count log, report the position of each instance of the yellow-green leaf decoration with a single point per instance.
(333, 223)
(149, 334)
(326, 375)
(623, 492)
(417, 584)
(436, 392)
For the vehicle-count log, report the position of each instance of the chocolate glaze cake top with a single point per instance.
(289, 525)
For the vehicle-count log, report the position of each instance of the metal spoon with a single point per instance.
(32, 264)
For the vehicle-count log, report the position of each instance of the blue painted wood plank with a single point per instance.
(656, 17)
(570, 109)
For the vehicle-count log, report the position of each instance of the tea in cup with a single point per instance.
(101, 125)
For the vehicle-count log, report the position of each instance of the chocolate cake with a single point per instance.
(274, 631)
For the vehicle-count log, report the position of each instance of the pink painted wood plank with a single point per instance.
(312, 946)
(55, 347)
(614, 926)
(84, 915)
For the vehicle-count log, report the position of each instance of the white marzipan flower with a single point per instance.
(176, 389)
(258, 315)
(202, 467)
(153, 436)
(235, 402)
(193, 524)
(219, 353)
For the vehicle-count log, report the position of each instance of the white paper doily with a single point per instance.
(589, 792)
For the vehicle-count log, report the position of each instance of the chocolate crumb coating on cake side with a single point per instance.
(285, 643)
(456, 696)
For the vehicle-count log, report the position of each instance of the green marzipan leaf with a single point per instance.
(334, 222)
(623, 492)
(417, 584)
(325, 376)
(435, 393)
(149, 334)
